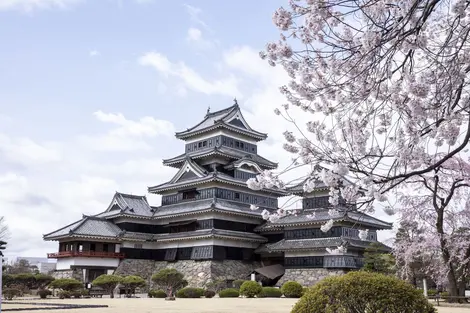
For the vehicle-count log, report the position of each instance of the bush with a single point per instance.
(10, 293)
(250, 289)
(156, 293)
(292, 289)
(363, 292)
(108, 283)
(65, 294)
(43, 293)
(77, 294)
(431, 292)
(270, 292)
(304, 290)
(66, 284)
(229, 293)
(209, 293)
(216, 286)
(190, 292)
(238, 283)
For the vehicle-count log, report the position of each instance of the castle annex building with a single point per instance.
(205, 227)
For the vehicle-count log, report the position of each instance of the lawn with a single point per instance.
(215, 305)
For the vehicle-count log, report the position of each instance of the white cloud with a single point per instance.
(129, 135)
(196, 39)
(94, 53)
(195, 15)
(58, 181)
(192, 80)
(23, 150)
(31, 5)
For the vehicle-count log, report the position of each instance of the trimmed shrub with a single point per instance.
(292, 289)
(190, 292)
(65, 294)
(10, 293)
(431, 292)
(209, 293)
(304, 290)
(229, 293)
(250, 289)
(238, 283)
(216, 286)
(156, 293)
(43, 293)
(270, 292)
(67, 284)
(363, 292)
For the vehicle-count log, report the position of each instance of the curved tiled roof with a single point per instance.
(88, 226)
(219, 119)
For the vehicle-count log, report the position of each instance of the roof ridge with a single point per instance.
(228, 109)
(130, 195)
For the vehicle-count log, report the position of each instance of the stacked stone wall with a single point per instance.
(307, 276)
(197, 273)
(73, 273)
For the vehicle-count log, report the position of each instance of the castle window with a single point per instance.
(199, 144)
(252, 149)
(92, 247)
(217, 141)
(237, 144)
(105, 247)
(210, 142)
(241, 145)
(237, 196)
(195, 146)
(137, 246)
(204, 143)
(80, 248)
(190, 194)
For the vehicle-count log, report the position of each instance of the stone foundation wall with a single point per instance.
(307, 276)
(197, 273)
(74, 273)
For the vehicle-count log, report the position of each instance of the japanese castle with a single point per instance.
(204, 226)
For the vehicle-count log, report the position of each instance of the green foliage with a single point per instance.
(66, 284)
(432, 292)
(209, 294)
(216, 286)
(169, 279)
(238, 283)
(42, 280)
(132, 282)
(10, 293)
(108, 283)
(363, 292)
(156, 293)
(250, 289)
(229, 293)
(7, 280)
(270, 292)
(375, 260)
(292, 289)
(64, 294)
(304, 290)
(190, 292)
(43, 293)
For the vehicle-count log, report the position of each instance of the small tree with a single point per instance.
(108, 283)
(375, 260)
(66, 284)
(42, 280)
(131, 283)
(169, 279)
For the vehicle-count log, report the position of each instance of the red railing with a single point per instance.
(88, 254)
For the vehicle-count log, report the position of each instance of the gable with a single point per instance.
(238, 123)
(187, 175)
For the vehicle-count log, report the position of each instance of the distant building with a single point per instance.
(43, 265)
(205, 227)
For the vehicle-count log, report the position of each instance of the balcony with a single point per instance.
(86, 254)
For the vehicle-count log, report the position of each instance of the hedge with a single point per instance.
(229, 293)
(270, 292)
(156, 293)
(363, 292)
(250, 289)
(292, 289)
(190, 292)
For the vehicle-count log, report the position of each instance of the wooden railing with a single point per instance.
(88, 254)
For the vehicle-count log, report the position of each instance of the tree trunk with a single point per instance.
(111, 294)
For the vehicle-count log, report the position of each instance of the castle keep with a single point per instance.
(205, 227)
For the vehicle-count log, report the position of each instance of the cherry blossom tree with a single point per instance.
(386, 85)
(442, 207)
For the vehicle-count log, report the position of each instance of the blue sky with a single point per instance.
(93, 90)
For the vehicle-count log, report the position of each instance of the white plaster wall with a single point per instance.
(222, 132)
(192, 243)
(66, 263)
(288, 254)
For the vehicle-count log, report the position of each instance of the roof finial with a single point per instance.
(208, 109)
(235, 101)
